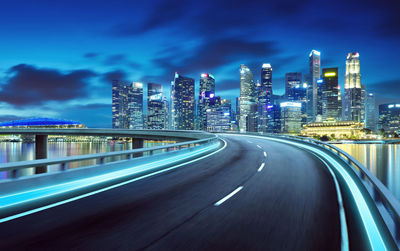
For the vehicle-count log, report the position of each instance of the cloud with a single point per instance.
(213, 54)
(28, 85)
(108, 77)
(91, 55)
(120, 59)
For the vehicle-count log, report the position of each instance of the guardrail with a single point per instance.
(390, 209)
(16, 167)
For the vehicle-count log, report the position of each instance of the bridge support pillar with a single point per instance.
(40, 151)
(136, 144)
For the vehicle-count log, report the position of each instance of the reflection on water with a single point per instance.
(18, 151)
(383, 160)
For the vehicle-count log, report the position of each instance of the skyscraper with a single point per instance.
(156, 115)
(290, 117)
(182, 103)
(206, 94)
(135, 105)
(370, 112)
(314, 105)
(247, 98)
(127, 105)
(265, 90)
(330, 97)
(264, 96)
(352, 89)
(293, 81)
(389, 118)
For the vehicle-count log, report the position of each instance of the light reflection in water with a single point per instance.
(18, 151)
(383, 160)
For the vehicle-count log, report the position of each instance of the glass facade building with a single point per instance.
(206, 94)
(156, 114)
(127, 105)
(314, 105)
(352, 104)
(247, 99)
(182, 103)
(290, 117)
(331, 103)
(389, 118)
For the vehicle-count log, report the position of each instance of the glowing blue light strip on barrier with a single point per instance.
(375, 239)
(40, 193)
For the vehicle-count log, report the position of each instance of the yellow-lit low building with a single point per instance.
(333, 129)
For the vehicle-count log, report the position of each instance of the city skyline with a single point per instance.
(82, 48)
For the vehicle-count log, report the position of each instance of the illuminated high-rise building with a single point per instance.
(206, 96)
(247, 99)
(290, 117)
(264, 97)
(352, 104)
(127, 105)
(314, 104)
(370, 112)
(293, 81)
(265, 90)
(182, 103)
(156, 114)
(389, 118)
(330, 97)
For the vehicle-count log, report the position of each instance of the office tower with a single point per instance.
(352, 89)
(314, 104)
(206, 94)
(363, 98)
(296, 90)
(370, 118)
(264, 98)
(135, 105)
(330, 97)
(167, 119)
(218, 119)
(293, 81)
(127, 105)
(389, 118)
(265, 90)
(247, 99)
(156, 115)
(290, 117)
(182, 103)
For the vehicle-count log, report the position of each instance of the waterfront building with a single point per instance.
(247, 99)
(218, 119)
(165, 107)
(334, 129)
(352, 105)
(265, 90)
(127, 105)
(206, 94)
(314, 105)
(293, 81)
(41, 123)
(156, 115)
(389, 118)
(290, 117)
(182, 103)
(330, 97)
(370, 112)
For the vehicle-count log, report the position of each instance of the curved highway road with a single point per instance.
(253, 195)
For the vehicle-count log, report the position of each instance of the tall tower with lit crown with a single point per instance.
(352, 104)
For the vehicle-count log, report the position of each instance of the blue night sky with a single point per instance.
(57, 58)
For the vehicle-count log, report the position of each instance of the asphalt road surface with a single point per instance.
(255, 194)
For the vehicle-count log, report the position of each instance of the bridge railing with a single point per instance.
(16, 167)
(379, 193)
